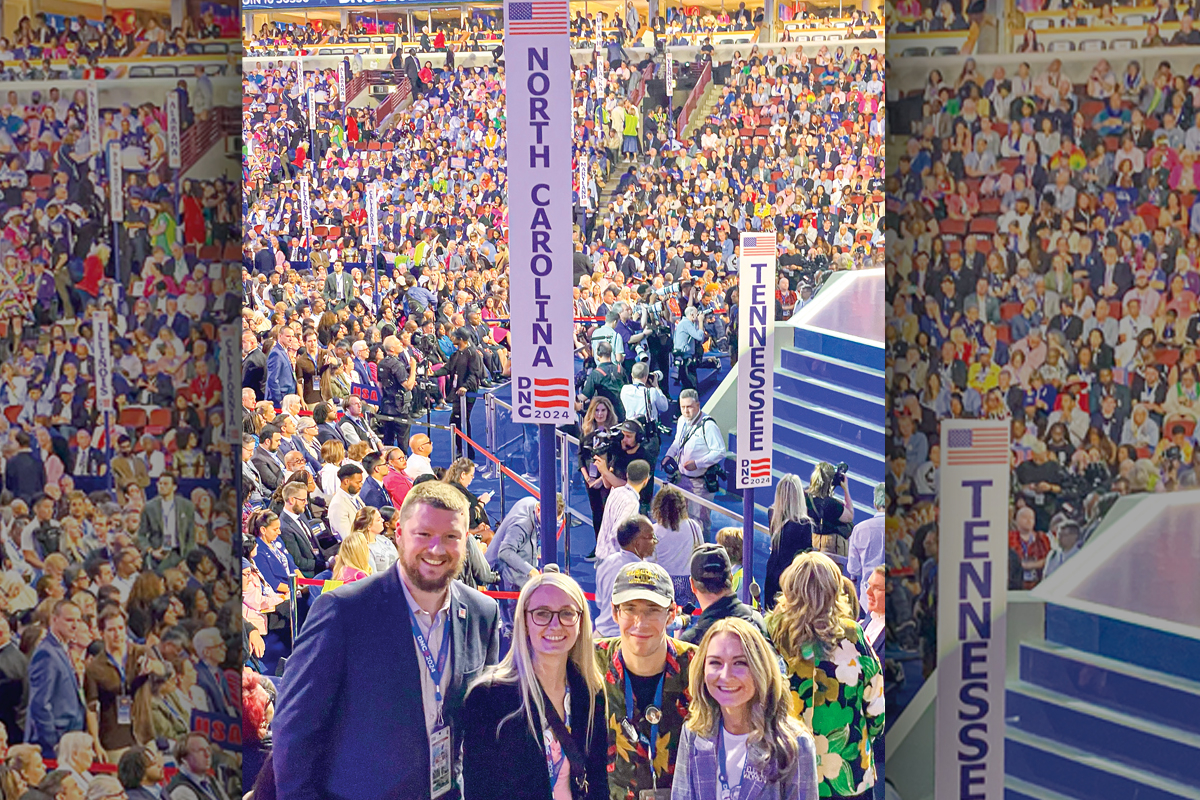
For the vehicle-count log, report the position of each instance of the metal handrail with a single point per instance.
(692, 498)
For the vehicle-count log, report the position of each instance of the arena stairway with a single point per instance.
(1104, 709)
(829, 406)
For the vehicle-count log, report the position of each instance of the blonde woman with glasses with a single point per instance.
(535, 725)
(822, 645)
(739, 740)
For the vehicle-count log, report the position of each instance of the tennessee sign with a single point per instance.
(756, 360)
(538, 89)
(972, 610)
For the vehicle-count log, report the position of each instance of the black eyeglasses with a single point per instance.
(543, 616)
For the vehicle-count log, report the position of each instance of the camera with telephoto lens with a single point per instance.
(603, 442)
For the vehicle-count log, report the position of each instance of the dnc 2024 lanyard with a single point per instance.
(653, 715)
(435, 668)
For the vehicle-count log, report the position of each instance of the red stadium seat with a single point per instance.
(1009, 310)
(989, 206)
(1009, 165)
(132, 418)
(984, 244)
(1143, 452)
(12, 412)
(1004, 334)
(1111, 143)
(160, 420)
(1189, 425)
(984, 225)
(1168, 356)
(1114, 306)
(953, 227)
(210, 252)
(953, 244)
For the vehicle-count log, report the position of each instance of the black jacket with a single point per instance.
(794, 538)
(254, 373)
(392, 374)
(463, 368)
(509, 763)
(724, 608)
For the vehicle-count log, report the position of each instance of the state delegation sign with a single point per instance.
(756, 360)
(538, 92)
(972, 606)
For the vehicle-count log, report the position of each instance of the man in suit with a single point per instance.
(1111, 278)
(267, 459)
(373, 492)
(253, 488)
(55, 700)
(145, 767)
(345, 503)
(167, 528)
(87, 460)
(866, 545)
(193, 754)
(25, 475)
(264, 259)
(14, 684)
(281, 374)
(295, 533)
(305, 441)
(337, 290)
(210, 647)
(354, 427)
(325, 416)
(358, 688)
(308, 369)
(254, 366)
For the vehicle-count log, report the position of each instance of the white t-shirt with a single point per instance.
(735, 759)
(674, 549)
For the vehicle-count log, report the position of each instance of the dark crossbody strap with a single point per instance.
(575, 756)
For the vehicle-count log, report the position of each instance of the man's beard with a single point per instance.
(412, 570)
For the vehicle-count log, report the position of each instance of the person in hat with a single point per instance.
(645, 683)
(712, 583)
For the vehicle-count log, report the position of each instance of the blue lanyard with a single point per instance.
(630, 708)
(119, 667)
(721, 773)
(435, 669)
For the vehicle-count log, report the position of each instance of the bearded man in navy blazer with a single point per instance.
(364, 706)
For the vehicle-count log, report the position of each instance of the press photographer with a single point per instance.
(696, 454)
(645, 403)
(689, 347)
(606, 380)
(613, 454)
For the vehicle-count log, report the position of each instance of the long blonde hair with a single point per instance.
(354, 553)
(588, 426)
(772, 726)
(517, 666)
(811, 608)
(789, 506)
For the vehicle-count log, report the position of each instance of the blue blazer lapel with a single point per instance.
(753, 780)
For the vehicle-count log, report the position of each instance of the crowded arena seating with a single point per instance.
(1044, 273)
(127, 526)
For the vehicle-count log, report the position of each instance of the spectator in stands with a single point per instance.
(637, 541)
(712, 583)
(55, 695)
(866, 545)
(812, 611)
(433, 527)
(345, 502)
(740, 700)
(193, 781)
(791, 533)
(140, 771)
(644, 669)
(551, 673)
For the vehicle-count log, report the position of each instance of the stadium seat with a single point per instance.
(1189, 425)
(953, 227)
(166, 71)
(1092, 44)
(1009, 310)
(1061, 46)
(1133, 20)
(141, 72)
(209, 252)
(1144, 452)
(1041, 24)
(1122, 44)
(1004, 334)
(1168, 356)
(132, 418)
(216, 48)
(989, 206)
(945, 50)
(11, 412)
(1114, 307)
(984, 225)
(160, 421)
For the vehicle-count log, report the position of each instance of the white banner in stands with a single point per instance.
(972, 605)
(756, 360)
(102, 351)
(116, 176)
(312, 109)
(305, 210)
(537, 50)
(585, 196)
(670, 72)
(230, 380)
(373, 214)
(174, 131)
(341, 71)
(93, 116)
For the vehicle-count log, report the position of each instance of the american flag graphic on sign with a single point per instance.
(758, 246)
(538, 17)
(977, 447)
(551, 393)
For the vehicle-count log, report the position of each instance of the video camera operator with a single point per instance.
(396, 380)
(688, 347)
(466, 370)
(645, 403)
(658, 321)
(614, 459)
(606, 380)
(427, 394)
(696, 454)
(631, 327)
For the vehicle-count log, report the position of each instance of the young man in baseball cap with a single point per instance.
(712, 583)
(646, 684)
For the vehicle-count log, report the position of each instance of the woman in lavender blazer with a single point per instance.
(739, 741)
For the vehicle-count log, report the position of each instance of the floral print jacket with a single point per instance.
(629, 762)
(839, 696)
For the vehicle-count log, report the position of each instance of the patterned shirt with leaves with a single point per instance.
(629, 762)
(840, 699)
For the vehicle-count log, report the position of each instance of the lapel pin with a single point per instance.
(462, 613)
